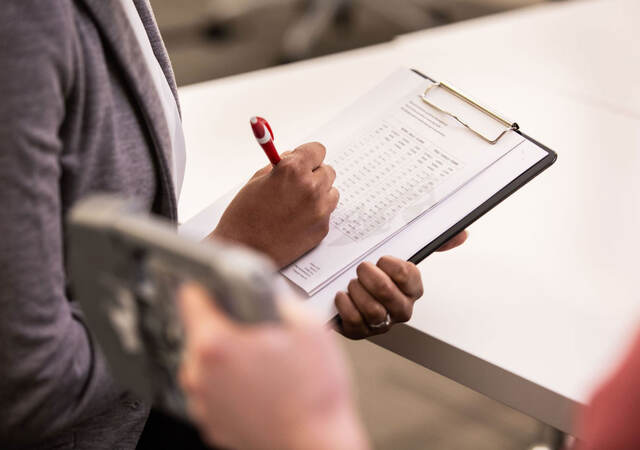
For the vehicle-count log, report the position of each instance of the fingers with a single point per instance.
(385, 291)
(334, 198)
(370, 309)
(455, 241)
(390, 287)
(404, 274)
(325, 176)
(311, 155)
(353, 324)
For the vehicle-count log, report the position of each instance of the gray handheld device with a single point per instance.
(125, 268)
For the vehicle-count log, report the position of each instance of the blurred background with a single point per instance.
(215, 38)
(404, 406)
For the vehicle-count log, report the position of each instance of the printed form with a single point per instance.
(395, 158)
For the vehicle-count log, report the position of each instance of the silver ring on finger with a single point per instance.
(385, 323)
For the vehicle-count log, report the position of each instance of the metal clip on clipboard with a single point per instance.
(510, 126)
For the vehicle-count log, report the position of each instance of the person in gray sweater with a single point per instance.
(82, 111)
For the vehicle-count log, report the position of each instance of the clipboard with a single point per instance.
(503, 193)
(409, 243)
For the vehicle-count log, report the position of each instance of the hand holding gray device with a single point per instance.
(125, 270)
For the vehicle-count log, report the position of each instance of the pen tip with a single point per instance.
(254, 120)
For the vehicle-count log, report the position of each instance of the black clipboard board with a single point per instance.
(495, 199)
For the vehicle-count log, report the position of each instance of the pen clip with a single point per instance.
(266, 124)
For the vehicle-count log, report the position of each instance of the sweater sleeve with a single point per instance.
(51, 374)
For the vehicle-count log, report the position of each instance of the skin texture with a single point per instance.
(268, 386)
(283, 211)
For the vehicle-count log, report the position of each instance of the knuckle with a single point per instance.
(375, 312)
(319, 207)
(405, 312)
(331, 171)
(325, 215)
(333, 198)
(414, 269)
(326, 209)
(384, 261)
(352, 286)
(363, 269)
(332, 206)
(416, 277)
(325, 228)
(401, 273)
(322, 230)
(346, 312)
(321, 213)
(290, 166)
(350, 321)
(340, 302)
(382, 287)
(336, 197)
(308, 186)
(319, 147)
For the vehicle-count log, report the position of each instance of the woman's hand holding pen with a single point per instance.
(283, 211)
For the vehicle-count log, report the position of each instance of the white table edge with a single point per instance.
(482, 376)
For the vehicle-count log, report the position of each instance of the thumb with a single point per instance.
(199, 312)
(262, 172)
(455, 241)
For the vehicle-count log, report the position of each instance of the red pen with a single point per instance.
(264, 136)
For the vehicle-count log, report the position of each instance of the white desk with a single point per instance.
(541, 301)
